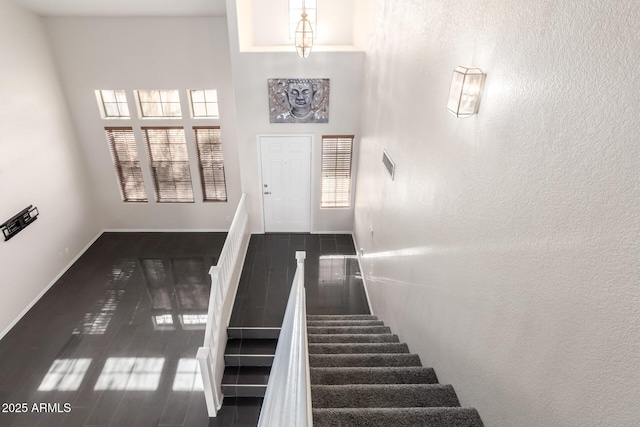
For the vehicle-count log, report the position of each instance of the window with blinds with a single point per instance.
(211, 163)
(167, 151)
(336, 171)
(127, 164)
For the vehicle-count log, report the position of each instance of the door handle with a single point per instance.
(267, 192)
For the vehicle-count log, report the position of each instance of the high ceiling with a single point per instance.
(125, 7)
(262, 25)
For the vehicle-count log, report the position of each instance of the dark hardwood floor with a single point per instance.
(113, 342)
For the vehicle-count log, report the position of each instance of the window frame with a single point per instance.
(141, 110)
(103, 108)
(205, 103)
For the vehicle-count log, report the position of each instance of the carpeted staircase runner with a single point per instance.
(362, 376)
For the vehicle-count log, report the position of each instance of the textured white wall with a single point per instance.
(39, 165)
(250, 74)
(506, 250)
(147, 53)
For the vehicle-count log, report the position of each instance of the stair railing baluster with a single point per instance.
(225, 277)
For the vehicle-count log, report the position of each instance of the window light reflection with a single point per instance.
(96, 322)
(130, 373)
(332, 269)
(193, 321)
(65, 375)
(164, 319)
(188, 376)
(163, 322)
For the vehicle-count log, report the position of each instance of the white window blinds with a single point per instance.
(336, 171)
(211, 163)
(127, 164)
(167, 150)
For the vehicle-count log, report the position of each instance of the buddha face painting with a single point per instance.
(300, 94)
(298, 100)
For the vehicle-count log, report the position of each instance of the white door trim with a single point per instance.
(313, 177)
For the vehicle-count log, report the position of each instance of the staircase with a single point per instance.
(362, 376)
(248, 358)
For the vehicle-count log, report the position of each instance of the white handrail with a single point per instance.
(225, 277)
(287, 401)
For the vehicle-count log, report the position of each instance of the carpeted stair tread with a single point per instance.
(373, 375)
(383, 396)
(341, 317)
(362, 376)
(396, 417)
(330, 323)
(348, 330)
(341, 348)
(331, 360)
(352, 338)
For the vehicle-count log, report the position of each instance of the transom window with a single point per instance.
(159, 103)
(167, 150)
(204, 104)
(114, 104)
(336, 171)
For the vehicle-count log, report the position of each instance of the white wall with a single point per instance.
(39, 165)
(147, 53)
(250, 74)
(506, 250)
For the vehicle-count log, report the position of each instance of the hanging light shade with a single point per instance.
(304, 36)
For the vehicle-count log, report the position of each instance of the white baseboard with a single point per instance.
(51, 283)
(302, 232)
(364, 281)
(164, 230)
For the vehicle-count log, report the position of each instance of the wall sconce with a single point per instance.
(464, 95)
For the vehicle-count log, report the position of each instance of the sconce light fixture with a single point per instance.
(304, 35)
(464, 94)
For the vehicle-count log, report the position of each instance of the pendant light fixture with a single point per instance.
(304, 35)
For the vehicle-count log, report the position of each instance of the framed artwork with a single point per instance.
(299, 100)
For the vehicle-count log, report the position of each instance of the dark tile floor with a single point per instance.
(332, 278)
(115, 338)
(113, 342)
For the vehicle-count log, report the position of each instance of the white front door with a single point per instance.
(286, 183)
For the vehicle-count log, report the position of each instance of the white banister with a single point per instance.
(287, 401)
(225, 277)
